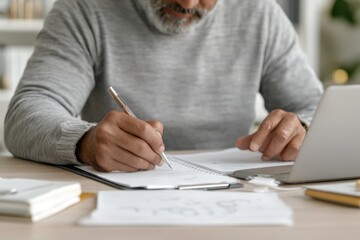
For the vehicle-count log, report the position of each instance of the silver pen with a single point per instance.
(127, 110)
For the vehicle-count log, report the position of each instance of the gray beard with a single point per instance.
(168, 24)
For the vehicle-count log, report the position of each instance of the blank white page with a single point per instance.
(229, 160)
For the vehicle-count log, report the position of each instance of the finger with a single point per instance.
(104, 162)
(142, 130)
(243, 143)
(158, 126)
(125, 157)
(114, 158)
(286, 130)
(292, 149)
(265, 128)
(264, 145)
(138, 147)
(134, 161)
(111, 165)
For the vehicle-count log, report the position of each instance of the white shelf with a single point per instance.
(19, 32)
(5, 95)
(311, 13)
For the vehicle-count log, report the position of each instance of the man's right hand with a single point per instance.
(121, 142)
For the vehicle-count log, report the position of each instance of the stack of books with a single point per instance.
(342, 193)
(34, 200)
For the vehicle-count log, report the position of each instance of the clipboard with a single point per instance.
(184, 176)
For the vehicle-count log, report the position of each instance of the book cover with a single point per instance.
(342, 193)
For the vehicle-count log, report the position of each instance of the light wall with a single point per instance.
(309, 29)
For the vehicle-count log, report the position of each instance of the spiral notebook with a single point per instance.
(183, 176)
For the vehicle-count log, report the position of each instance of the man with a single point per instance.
(193, 65)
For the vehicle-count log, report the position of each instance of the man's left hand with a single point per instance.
(279, 136)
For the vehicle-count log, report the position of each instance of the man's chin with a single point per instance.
(175, 26)
(166, 23)
(170, 29)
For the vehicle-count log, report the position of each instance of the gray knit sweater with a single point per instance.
(201, 85)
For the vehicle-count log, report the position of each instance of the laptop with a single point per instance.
(331, 149)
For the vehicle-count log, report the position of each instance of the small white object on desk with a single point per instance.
(195, 208)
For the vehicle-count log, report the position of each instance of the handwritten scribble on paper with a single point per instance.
(188, 208)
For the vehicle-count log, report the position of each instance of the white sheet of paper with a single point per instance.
(166, 207)
(229, 160)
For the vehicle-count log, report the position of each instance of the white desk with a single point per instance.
(313, 219)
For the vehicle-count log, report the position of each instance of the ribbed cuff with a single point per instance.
(71, 132)
(304, 121)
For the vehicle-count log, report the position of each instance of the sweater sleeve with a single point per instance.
(42, 122)
(288, 81)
